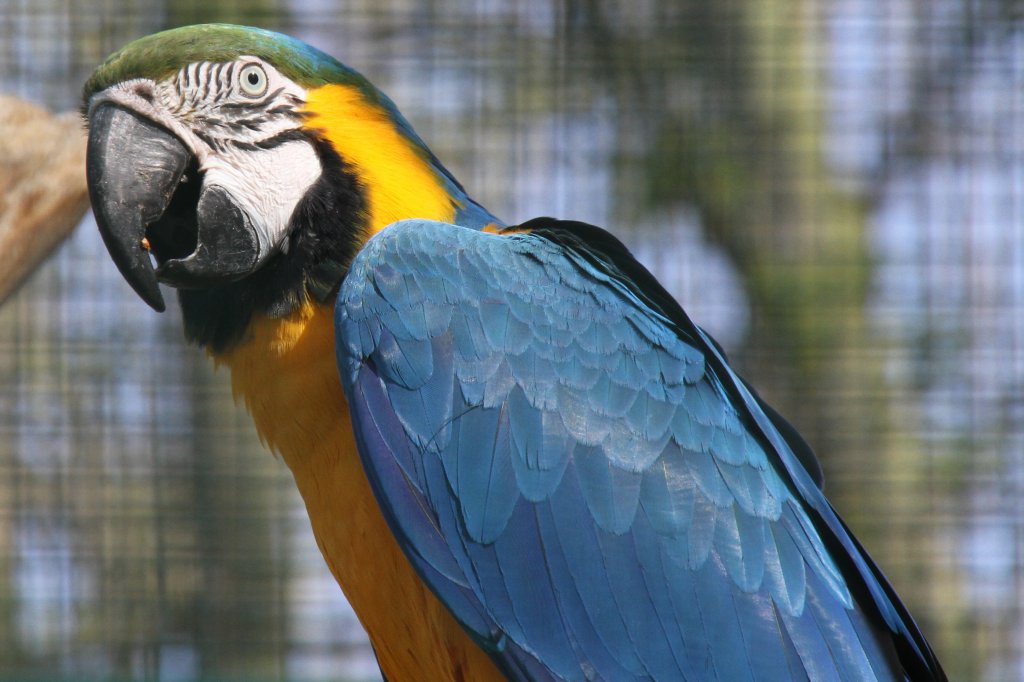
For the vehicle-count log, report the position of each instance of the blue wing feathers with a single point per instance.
(587, 596)
(497, 387)
(577, 473)
(813, 651)
(632, 598)
(419, 532)
(580, 417)
(611, 493)
(383, 427)
(667, 499)
(649, 418)
(749, 490)
(642, 451)
(528, 579)
(729, 658)
(501, 328)
(408, 363)
(539, 462)
(487, 494)
(536, 375)
(699, 535)
(785, 570)
(739, 538)
(762, 633)
(424, 411)
(648, 553)
(705, 473)
(812, 549)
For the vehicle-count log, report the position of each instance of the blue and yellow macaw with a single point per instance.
(520, 458)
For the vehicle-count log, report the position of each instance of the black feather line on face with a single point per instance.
(326, 230)
(270, 142)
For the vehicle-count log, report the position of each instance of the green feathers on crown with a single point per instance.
(162, 54)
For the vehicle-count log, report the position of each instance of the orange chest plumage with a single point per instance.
(286, 375)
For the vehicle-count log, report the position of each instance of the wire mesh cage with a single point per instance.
(834, 190)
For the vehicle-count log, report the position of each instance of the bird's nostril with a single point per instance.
(143, 91)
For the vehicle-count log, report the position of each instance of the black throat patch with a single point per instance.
(325, 231)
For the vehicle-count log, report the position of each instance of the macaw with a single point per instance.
(520, 458)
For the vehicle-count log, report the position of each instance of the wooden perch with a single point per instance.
(43, 194)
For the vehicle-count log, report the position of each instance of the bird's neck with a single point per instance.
(399, 175)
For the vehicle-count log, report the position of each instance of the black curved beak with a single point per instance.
(133, 168)
(137, 173)
(226, 245)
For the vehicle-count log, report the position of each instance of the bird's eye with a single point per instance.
(252, 79)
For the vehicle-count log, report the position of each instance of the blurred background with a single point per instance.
(834, 189)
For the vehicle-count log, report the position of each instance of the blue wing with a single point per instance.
(577, 473)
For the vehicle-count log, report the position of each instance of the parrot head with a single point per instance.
(245, 168)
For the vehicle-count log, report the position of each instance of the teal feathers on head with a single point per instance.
(161, 54)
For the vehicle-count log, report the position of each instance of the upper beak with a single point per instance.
(134, 168)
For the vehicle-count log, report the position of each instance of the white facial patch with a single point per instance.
(267, 184)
